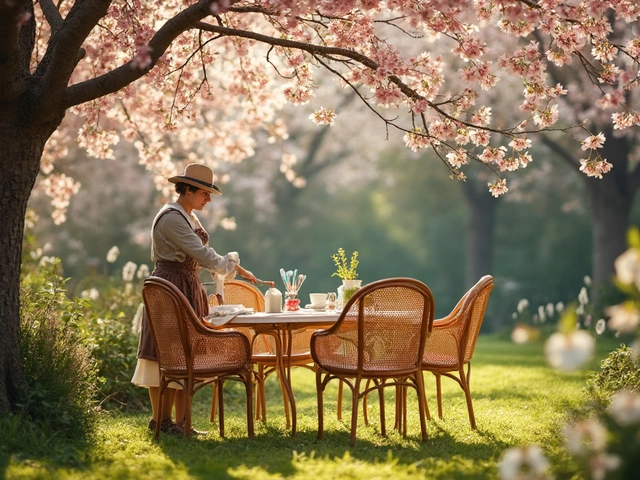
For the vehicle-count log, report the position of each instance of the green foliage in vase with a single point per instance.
(346, 270)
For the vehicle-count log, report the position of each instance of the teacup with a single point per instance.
(318, 300)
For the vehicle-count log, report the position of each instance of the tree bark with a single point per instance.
(480, 239)
(19, 165)
(611, 200)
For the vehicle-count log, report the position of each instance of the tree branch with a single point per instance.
(16, 43)
(62, 55)
(562, 152)
(52, 14)
(126, 74)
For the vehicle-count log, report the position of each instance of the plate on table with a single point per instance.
(310, 306)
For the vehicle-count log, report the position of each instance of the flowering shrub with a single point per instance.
(108, 310)
(113, 315)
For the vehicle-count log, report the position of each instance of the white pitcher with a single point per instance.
(273, 300)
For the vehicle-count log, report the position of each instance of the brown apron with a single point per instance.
(183, 275)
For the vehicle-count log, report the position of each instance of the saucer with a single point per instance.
(313, 307)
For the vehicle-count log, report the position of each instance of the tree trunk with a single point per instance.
(480, 234)
(19, 165)
(611, 200)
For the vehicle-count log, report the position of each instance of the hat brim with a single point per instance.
(196, 183)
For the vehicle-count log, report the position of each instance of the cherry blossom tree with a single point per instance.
(209, 73)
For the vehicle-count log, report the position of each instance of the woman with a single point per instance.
(179, 248)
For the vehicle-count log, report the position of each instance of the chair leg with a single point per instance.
(423, 409)
(439, 394)
(365, 404)
(214, 399)
(467, 393)
(186, 427)
(319, 393)
(221, 406)
(383, 425)
(261, 399)
(249, 389)
(354, 409)
(339, 406)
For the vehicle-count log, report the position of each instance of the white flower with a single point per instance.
(550, 309)
(112, 254)
(623, 317)
(583, 296)
(143, 271)
(136, 324)
(128, 271)
(520, 334)
(625, 407)
(587, 280)
(523, 462)
(569, 352)
(541, 314)
(601, 325)
(92, 293)
(559, 307)
(585, 436)
(522, 304)
(628, 267)
(602, 463)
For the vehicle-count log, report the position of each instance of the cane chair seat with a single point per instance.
(449, 349)
(380, 337)
(189, 353)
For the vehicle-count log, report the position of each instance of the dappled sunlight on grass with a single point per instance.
(518, 400)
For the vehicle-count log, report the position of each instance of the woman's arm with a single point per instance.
(246, 274)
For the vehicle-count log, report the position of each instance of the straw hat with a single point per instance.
(199, 176)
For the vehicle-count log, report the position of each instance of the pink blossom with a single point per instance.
(603, 51)
(622, 120)
(219, 7)
(480, 137)
(458, 158)
(520, 143)
(546, 118)
(143, 59)
(595, 167)
(593, 142)
(498, 188)
(416, 140)
(323, 116)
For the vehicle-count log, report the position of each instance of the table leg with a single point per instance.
(283, 374)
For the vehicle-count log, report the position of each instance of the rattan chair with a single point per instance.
(379, 336)
(449, 348)
(192, 355)
(263, 351)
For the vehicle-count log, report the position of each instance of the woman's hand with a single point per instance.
(246, 274)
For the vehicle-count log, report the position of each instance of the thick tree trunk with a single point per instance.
(611, 200)
(19, 165)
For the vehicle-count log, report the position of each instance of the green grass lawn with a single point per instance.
(518, 400)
